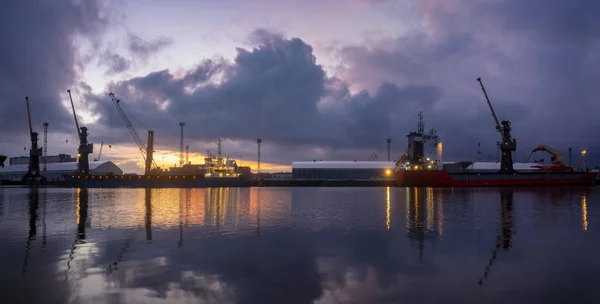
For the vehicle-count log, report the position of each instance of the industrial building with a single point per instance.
(55, 171)
(343, 170)
(60, 158)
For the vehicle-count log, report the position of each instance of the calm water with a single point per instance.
(300, 245)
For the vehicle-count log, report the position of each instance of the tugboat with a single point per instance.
(422, 167)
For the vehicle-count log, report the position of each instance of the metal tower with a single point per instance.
(45, 154)
(389, 148)
(258, 142)
(181, 124)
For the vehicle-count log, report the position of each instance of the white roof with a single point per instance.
(343, 165)
(70, 166)
(496, 166)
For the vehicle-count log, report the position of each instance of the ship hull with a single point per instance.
(118, 181)
(440, 178)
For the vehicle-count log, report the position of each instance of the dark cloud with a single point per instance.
(538, 60)
(39, 59)
(115, 63)
(539, 63)
(276, 91)
(143, 49)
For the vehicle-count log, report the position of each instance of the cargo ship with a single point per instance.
(215, 172)
(422, 165)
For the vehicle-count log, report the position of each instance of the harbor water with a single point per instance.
(300, 245)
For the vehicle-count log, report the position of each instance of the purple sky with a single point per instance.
(315, 79)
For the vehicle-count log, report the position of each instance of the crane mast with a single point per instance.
(508, 144)
(33, 177)
(85, 148)
(146, 152)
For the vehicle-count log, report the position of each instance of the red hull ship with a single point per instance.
(422, 166)
(441, 178)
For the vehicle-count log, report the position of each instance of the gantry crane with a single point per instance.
(85, 148)
(146, 151)
(33, 176)
(508, 144)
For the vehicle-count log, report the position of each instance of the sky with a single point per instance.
(323, 79)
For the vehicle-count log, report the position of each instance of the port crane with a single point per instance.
(85, 148)
(508, 144)
(146, 151)
(557, 159)
(33, 176)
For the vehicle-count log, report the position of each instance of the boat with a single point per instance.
(186, 176)
(422, 165)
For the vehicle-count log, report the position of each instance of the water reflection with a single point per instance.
(301, 245)
(148, 217)
(421, 214)
(82, 224)
(33, 202)
(503, 240)
(584, 221)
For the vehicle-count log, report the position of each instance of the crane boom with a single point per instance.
(509, 144)
(100, 152)
(28, 114)
(134, 134)
(498, 127)
(136, 137)
(74, 115)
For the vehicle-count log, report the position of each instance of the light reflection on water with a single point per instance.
(299, 245)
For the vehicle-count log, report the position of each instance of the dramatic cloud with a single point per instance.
(114, 62)
(275, 91)
(143, 49)
(38, 59)
(538, 61)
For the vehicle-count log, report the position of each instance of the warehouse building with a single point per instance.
(343, 170)
(56, 171)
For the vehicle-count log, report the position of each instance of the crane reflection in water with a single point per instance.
(82, 224)
(504, 238)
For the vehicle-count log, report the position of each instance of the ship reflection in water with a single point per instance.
(300, 245)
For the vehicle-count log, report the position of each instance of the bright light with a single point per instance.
(388, 172)
(583, 152)
(428, 158)
(429, 167)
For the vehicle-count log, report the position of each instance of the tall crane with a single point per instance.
(508, 144)
(146, 151)
(181, 124)
(85, 148)
(33, 177)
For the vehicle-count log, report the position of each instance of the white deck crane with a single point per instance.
(557, 159)
(146, 151)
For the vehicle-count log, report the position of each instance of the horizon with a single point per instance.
(316, 80)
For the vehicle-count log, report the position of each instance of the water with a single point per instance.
(300, 245)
